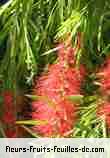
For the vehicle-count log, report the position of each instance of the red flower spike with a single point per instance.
(61, 81)
(10, 133)
(8, 99)
(8, 118)
(104, 110)
(104, 74)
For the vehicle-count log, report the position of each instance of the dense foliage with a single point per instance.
(30, 31)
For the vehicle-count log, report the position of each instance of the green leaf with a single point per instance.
(30, 131)
(32, 122)
(76, 98)
(45, 99)
(33, 97)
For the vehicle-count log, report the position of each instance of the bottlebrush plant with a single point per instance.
(12, 109)
(62, 80)
(103, 112)
(29, 31)
(8, 118)
(103, 74)
(104, 79)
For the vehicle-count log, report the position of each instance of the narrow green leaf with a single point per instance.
(76, 98)
(45, 99)
(32, 122)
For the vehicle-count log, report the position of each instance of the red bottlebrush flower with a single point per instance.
(10, 133)
(61, 81)
(8, 118)
(59, 121)
(44, 130)
(8, 99)
(65, 128)
(104, 110)
(66, 55)
(104, 74)
(9, 110)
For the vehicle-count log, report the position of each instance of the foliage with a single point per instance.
(29, 30)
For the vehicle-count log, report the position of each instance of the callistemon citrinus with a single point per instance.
(103, 112)
(53, 89)
(8, 117)
(104, 77)
(104, 80)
